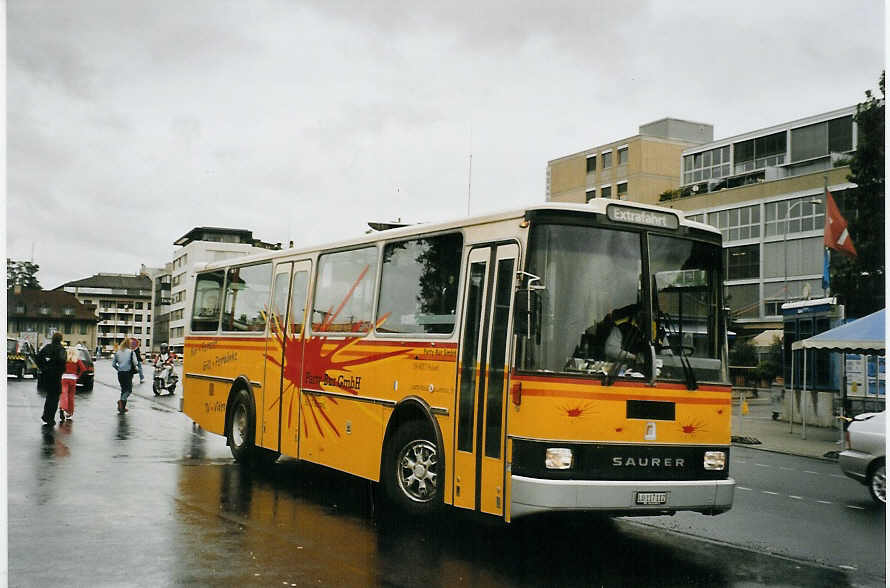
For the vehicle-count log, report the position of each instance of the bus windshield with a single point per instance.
(600, 316)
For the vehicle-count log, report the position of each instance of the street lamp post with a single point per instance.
(785, 299)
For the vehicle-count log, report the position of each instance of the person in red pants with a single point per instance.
(73, 368)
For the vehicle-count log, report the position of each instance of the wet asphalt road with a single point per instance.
(148, 499)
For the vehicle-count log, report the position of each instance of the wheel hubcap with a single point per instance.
(417, 466)
(879, 484)
(239, 425)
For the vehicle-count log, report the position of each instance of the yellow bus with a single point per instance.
(558, 357)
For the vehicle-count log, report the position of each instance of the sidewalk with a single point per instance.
(779, 436)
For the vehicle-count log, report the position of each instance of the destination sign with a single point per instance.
(625, 214)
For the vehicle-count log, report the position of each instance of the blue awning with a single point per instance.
(865, 336)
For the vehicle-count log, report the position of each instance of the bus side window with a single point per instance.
(344, 295)
(418, 287)
(247, 295)
(205, 310)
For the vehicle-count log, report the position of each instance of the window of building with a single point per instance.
(622, 156)
(148, 330)
(590, 194)
(707, 165)
(591, 163)
(820, 139)
(83, 328)
(742, 262)
(760, 152)
(418, 285)
(607, 159)
(138, 306)
(699, 218)
(20, 308)
(743, 301)
(737, 223)
(605, 191)
(622, 191)
(44, 310)
(137, 330)
(795, 257)
(799, 214)
(344, 296)
(66, 326)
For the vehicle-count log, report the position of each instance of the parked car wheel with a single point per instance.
(877, 483)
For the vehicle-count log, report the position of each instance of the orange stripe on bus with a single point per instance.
(622, 397)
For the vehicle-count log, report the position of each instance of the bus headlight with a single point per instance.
(558, 458)
(715, 460)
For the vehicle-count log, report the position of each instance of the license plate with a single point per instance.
(652, 497)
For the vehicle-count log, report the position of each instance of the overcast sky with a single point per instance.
(131, 122)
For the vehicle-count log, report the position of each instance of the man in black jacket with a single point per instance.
(51, 360)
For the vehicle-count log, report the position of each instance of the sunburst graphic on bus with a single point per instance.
(306, 360)
(578, 411)
(693, 428)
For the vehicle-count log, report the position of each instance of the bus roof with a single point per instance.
(597, 206)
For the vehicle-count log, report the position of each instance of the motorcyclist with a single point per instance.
(164, 361)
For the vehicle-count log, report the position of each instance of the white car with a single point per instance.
(863, 460)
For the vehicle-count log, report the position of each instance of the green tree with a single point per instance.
(743, 354)
(21, 273)
(859, 281)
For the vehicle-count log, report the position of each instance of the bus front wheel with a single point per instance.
(412, 473)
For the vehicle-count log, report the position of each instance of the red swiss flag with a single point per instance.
(836, 235)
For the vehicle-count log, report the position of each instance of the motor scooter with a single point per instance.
(165, 378)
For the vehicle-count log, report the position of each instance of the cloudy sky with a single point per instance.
(128, 123)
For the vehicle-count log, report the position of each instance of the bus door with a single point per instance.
(283, 366)
(484, 355)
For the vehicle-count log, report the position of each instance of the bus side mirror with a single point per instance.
(527, 311)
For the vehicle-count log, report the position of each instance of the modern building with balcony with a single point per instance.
(123, 306)
(637, 168)
(765, 191)
(199, 245)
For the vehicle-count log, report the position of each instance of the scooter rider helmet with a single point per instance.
(163, 348)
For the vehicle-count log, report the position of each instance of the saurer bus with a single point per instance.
(558, 357)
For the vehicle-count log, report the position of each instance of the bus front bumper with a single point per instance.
(626, 498)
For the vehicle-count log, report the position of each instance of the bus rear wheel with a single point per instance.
(241, 434)
(411, 475)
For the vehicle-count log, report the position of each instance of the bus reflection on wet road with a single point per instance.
(296, 523)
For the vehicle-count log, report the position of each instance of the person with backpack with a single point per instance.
(125, 362)
(51, 360)
(134, 345)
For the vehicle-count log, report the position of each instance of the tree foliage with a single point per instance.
(860, 280)
(743, 353)
(21, 273)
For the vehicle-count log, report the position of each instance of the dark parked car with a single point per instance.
(19, 358)
(85, 380)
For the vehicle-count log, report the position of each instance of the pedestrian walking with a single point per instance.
(74, 366)
(134, 345)
(124, 361)
(51, 360)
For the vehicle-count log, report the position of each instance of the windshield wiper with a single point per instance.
(688, 372)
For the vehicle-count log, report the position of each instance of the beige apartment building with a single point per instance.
(637, 168)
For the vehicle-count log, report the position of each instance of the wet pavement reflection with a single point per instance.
(147, 498)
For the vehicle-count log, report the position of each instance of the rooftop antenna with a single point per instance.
(470, 171)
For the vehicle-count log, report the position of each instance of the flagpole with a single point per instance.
(827, 262)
